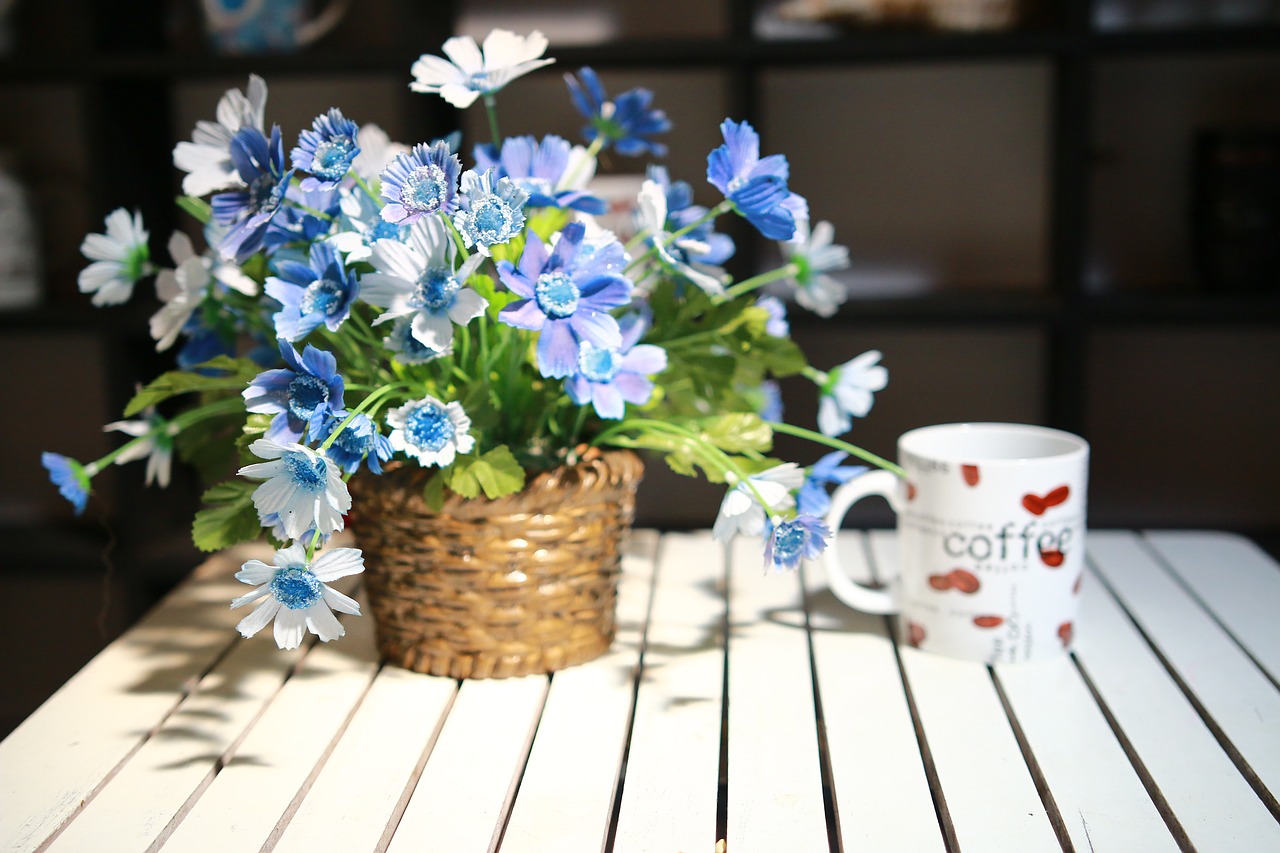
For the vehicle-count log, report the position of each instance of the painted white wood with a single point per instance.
(1098, 794)
(353, 800)
(669, 795)
(246, 800)
(52, 763)
(566, 795)
(1238, 581)
(1212, 802)
(989, 792)
(775, 780)
(465, 789)
(882, 795)
(1235, 693)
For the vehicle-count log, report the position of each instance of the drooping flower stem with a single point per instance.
(851, 449)
(491, 108)
(170, 428)
(758, 281)
(364, 185)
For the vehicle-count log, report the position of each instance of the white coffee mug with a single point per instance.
(991, 526)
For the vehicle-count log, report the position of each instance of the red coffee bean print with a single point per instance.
(970, 474)
(1076, 589)
(988, 621)
(940, 582)
(1052, 558)
(963, 581)
(1033, 504)
(1065, 631)
(1056, 496)
(911, 491)
(915, 634)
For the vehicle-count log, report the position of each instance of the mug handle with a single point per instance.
(309, 31)
(852, 593)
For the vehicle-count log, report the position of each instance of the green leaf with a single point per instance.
(433, 492)
(496, 473)
(197, 207)
(738, 432)
(229, 520)
(497, 299)
(233, 375)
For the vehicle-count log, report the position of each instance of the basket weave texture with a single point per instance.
(497, 588)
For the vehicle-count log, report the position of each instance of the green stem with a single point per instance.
(851, 449)
(667, 239)
(491, 108)
(567, 181)
(172, 427)
(364, 185)
(747, 285)
(364, 405)
(311, 211)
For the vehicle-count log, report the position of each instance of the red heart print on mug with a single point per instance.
(1036, 504)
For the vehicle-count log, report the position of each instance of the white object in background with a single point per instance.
(19, 258)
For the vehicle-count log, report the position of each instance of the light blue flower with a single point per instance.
(564, 299)
(676, 256)
(419, 183)
(303, 487)
(610, 377)
(847, 392)
(297, 594)
(626, 123)
(777, 325)
(362, 225)
(701, 244)
(788, 542)
(417, 280)
(71, 478)
(741, 510)
(813, 498)
(771, 401)
(260, 163)
(472, 71)
(552, 171)
(326, 151)
(321, 292)
(308, 216)
(301, 395)
(814, 255)
(407, 349)
(491, 210)
(120, 258)
(430, 431)
(756, 186)
(358, 441)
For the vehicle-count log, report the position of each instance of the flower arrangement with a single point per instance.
(362, 302)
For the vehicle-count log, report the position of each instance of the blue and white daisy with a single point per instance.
(326, 151)
(71, 478)
(813, 498)
(610, 377)
(301, 395)
(421, 182)
(407, 349)
(362, 226)
(359, 441)
(321, 292)
(565, 298)
(757, 186)
(788, 542)
(814, 255)
(303, 487)
(120, 258)
(626, 123)
(553, 172)
(472, 71)
(207, 157)
(430, 431)
(297, 594)
(741, 512)
(846, 392)
(260, 163)
(156, 447)
(682, 256)
(417, 279)
(492, 210)
(306, 216)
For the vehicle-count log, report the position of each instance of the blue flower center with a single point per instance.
(265, 194)
(411, 348)
(306, 394)
(428, 427)
(425, 190)
(556, 295)
(435, 290)
(306, 473)
(356, 439)
(296, 587)
(736, 183)
(788, 543)
(332, 158)
(599, 364)
(384, 230)
(479, 81)
(492, 220)
(323, 296)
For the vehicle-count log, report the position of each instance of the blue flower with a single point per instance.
(297, 223)
(421, 182)
(756, 186)
(626, 123)
(431, 431)
(610, 377)
(847, 392)
(682, 256)
(296, 594)
(788, 542)
(566, 300)
(311, 294)
(358, 441)
(813, 498)
(407, 349)
(541, 169)
(771, 401)
(202, 344)
(301, 396)
(326, 151)
(260, 164)
(701, 244)
(776, 326)
(491, 210)
(362, 226)
(71, 478)
(304, 488)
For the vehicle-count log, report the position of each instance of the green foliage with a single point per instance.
(229, 519)
(231, 374)
(496, 473)
(199, 209)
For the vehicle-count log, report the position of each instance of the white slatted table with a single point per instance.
(733, 705)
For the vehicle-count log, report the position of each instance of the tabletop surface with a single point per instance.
(734, 704)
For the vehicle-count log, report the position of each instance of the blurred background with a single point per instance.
(1058, 211)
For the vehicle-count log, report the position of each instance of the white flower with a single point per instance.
(184, 288)
(120, 257)
(157, 448)
(303, 487)
(847, 392)
(376, 152)
(299, 599)
(207, 157)
(741, 512)
(815, 255)
(652, 202)
(476, 71)
(417, 279)
(430, 431)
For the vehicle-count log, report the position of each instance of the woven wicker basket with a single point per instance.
(497, 588)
